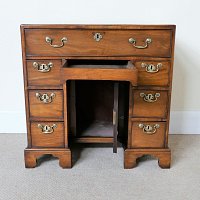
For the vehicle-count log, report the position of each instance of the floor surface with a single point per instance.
(98, 174)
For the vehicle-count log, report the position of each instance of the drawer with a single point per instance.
(153, 73)
(46, 103)
(47, 134)
(66, 42)
(43, 72)
(149, 103)
(148, 134)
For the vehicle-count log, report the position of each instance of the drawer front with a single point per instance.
(148, 134)
(149, 103)
(153, 73)
(43, 72)
(64, 42)
(46, 103)
(47, 134)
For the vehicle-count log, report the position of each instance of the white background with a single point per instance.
(185, 14)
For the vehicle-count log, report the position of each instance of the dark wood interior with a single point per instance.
(94, 108)
(94, 105)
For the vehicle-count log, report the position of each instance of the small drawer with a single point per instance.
(47, 134)
(148, 134)
(46, 103)
(149, 103)
(43, 72)
(69, 42)
(153, 73)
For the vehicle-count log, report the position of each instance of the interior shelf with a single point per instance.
(98, 128)
(93, 139)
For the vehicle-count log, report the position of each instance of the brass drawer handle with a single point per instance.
(50, 41)
(150, 68)
(45, 98)
(46, 129)
(149, 129)
(133, 41)
(150, 98)
(43, 67)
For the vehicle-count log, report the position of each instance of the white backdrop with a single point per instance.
(185, 14)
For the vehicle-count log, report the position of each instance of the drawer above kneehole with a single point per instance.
(43, 72)
(46, 104)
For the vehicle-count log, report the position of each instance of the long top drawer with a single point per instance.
(98, 42)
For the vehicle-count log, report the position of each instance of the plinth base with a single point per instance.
(31, 155)
(131, 155)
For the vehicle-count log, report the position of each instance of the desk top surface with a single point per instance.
(99, 26)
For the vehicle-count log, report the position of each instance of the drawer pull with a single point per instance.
(43, 67)
(45, 98)
(46, 129)
(133, 41)
(150, 98)
(150, 68)
(149, 129)
(50, 41)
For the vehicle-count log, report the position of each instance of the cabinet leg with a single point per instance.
(164, 161)
(130, 163)
(30, 160)
(65, 160)
(130, 160)
(131, 155)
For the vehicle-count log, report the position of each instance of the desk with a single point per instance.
(98, 84)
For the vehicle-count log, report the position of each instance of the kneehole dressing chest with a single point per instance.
(98, 84)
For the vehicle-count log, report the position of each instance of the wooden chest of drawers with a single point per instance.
(118, 78)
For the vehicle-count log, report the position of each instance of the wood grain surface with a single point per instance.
(41, 140)
(160, 78)
(46, 110)
(139, 139)
(156, 109)
(113, 43)
(38, 78)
